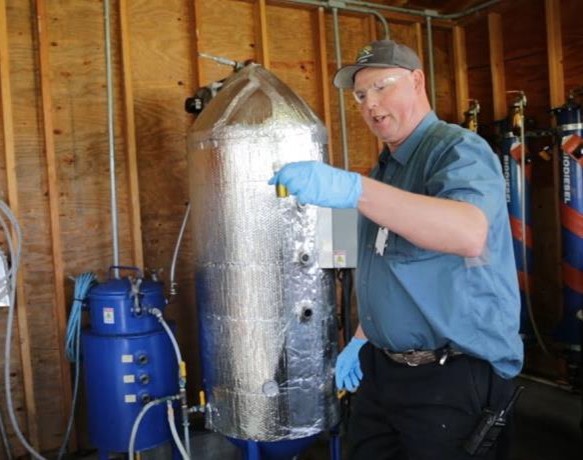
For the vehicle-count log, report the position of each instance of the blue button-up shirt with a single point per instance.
(413, 298)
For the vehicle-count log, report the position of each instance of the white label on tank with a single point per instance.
(130, 378)
(130, 399)
(127, 358)
(108, 317)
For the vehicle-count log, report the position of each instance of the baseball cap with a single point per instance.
(381, 54)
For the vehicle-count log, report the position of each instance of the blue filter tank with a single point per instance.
(128, 361)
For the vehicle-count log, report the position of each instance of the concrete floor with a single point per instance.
(548, 427)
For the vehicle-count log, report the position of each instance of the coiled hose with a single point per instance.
(83, 284)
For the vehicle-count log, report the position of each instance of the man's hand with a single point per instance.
(314, 182)
(348, 372)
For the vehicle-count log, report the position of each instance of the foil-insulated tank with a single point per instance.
(266, 309)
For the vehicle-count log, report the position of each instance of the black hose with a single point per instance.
(345, 277)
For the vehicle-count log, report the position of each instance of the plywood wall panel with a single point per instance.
(525, 56)
(226, 29)
(477, 44)
(166, 58)
(445, 97)
(36, 262)
(293, 56)
(479, 74)
(77, 57)
(480, 88)
(162, 78)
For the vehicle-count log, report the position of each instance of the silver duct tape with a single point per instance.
(266, 310)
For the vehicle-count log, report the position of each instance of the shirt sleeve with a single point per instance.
(468, 170)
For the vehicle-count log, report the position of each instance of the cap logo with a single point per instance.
(364, 54)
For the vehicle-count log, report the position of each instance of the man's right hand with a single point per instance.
(348, 372)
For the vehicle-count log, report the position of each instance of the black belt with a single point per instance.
(418, 357)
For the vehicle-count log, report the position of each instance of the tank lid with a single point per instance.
(122, 286)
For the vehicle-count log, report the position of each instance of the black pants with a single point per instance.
(425, 412)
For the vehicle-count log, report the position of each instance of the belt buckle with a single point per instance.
(408, 356)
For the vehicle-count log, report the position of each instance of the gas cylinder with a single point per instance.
(570, 130)
(518, 200)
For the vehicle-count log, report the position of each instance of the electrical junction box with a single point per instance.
(3, 280)
(336, 235)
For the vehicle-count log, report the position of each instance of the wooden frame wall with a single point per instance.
(56, 161)
(22, 331)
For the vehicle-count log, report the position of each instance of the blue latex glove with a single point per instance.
(314, 182)
(348, 372)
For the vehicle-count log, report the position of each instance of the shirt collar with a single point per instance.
(408, 147)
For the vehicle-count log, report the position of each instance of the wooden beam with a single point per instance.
(261, 38)
(12, 191)
(557, 98)
(130, 136)
(419, 47)
(324, 76)
(555, 52)
(497, 65)
(198, 73)
(460, 70)
(59, 303)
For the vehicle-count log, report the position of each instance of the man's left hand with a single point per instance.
(314, 182)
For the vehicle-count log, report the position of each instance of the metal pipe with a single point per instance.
(342, 108)
(341, 5)
(176, 248)
(111, 139)
(431, 64)
(423, 13)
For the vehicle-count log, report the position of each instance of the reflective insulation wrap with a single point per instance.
(266, 310)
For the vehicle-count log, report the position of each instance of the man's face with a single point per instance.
(388, 102)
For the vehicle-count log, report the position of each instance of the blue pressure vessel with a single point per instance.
(128, 361)
(510, 153)
(570, 128)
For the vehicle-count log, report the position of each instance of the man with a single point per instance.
(437, 292)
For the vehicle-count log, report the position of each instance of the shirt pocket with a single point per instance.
(401, 250)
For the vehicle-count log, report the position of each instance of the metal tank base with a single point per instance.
(277, 450)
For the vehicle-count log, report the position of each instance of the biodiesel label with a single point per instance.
(506, 171)
(566, 172)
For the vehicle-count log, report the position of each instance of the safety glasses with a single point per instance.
(377, 88)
